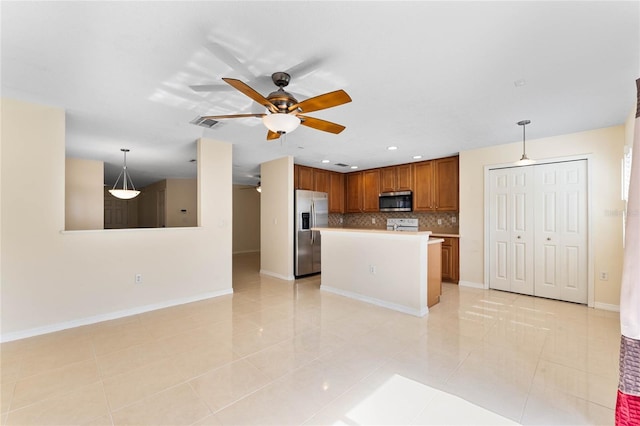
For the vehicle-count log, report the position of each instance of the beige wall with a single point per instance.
(181, 195)
(276, 218)
(53, 279)
(148, 204)
(605, 146)
(246, 219)
(84, 199)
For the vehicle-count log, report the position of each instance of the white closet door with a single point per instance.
(511, 230)
(561, 231)
(500, 235)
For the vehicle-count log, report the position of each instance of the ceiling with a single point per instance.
(432, 78)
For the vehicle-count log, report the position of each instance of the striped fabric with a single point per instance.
(628, 402)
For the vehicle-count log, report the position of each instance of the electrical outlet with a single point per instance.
(439, 221)
(340, 220)
(604, 276)
(453, 219)
(138, 279)
(373, 220)
(372, 269)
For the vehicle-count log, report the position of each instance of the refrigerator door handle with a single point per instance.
(313, 221)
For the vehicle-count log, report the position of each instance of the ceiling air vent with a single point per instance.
(341, 165)
(204, 122)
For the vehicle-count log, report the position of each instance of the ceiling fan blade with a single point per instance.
(217, 117)
(318, 124)
(244, 88)
(319, 102)
(272, 135)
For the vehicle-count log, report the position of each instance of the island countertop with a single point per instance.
(375, 231)
(386, 268)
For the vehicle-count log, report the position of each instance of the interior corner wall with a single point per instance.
(53, 279)
(606, 147)
(84, 194)
(276, 218)
(246, 219)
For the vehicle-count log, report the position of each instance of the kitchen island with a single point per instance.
(386, 268)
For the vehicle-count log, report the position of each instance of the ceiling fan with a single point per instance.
(284, 112)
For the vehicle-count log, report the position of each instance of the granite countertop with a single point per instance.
(448, 232)
(375, 231)
(435, 232)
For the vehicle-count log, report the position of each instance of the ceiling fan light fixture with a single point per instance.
(524, 160)
(281, 123)
(125, 193)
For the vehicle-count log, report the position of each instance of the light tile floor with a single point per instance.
(278, 353)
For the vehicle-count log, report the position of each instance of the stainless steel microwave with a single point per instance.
(400, 201)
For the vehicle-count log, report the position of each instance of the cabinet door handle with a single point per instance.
(518, 237)
(548, 238)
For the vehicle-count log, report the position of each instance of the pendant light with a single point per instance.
(524, 161)
(125, 193)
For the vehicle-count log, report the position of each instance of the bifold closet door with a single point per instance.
(538, 230)
(511, 230)
(561, 260)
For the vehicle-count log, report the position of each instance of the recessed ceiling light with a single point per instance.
(417, 157)
(392, 148)
(354, 167)
(326, 161)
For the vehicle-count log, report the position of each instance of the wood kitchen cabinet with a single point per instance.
(321, 180)
(450, 260)
(303, 177)
(336, 192)
(434, 274)
(353, 192)
(370, 190)
(396, 178)
(435, 185)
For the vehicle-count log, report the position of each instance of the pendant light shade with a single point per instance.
(125, 193)
(280, 122)
(524, 161)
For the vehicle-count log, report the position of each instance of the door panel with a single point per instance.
(511, 225)
(561, 243)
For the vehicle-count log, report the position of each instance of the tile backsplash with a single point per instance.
(449, 220)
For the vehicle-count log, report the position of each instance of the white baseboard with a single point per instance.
(16, 335)
(471, 284)
(606, 306)
(275, 275)
(377, 302)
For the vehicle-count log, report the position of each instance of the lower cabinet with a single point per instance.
(450, 260)
(434, 274)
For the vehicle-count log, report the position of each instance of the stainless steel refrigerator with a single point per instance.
(311, 210)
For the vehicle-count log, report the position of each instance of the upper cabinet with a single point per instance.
(313, 179)
(353, 191)
(435, 184)
(396, 178)
(321, 180)
(303, 177)
(362, 191)
(336, 192)
(371, 190)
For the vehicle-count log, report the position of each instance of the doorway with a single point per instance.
(538, 230)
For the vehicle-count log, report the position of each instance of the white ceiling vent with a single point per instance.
(204, 122)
